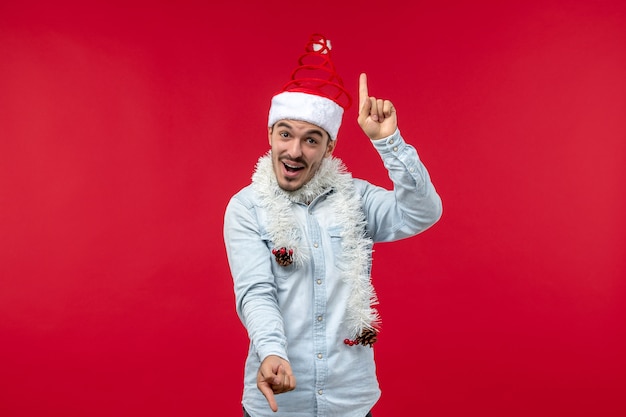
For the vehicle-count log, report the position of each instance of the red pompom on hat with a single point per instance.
(315, 93)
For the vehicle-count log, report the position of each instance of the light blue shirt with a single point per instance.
(299, 313)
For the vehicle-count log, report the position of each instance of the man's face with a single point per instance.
(298, 149)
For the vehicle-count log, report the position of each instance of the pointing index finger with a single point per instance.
(363, 93)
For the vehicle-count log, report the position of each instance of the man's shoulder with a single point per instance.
(245, 196)
(360, 185)
(244, 191)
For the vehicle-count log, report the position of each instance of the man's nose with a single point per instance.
(295, 148)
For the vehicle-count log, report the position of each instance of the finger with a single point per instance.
(388, 108)
(365, 110)
(278, 382)
(269, 396)
(267, 374)
(372, 111)
(290, 379)
(363, 93)
(285, 381)
(289, 382)
(281, 386)
(380, 106)
(292, 383)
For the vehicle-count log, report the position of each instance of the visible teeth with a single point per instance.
(291, 166)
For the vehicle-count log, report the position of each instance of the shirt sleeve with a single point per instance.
(254, 285)
(412, 206)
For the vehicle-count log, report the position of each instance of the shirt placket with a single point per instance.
(319, 310)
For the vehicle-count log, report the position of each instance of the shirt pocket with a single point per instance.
(279, 272)
(336, 243)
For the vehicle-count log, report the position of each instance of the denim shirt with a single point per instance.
(298, 313)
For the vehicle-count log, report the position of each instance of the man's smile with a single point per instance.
(292, 167)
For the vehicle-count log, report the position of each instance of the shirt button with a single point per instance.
(320, 392)
(320, 318)
(315, 244)
(319, 282)
(320, 356)
(412, 170)
(395, 149)
(391, 141)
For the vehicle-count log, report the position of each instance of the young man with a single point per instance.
(299, 242)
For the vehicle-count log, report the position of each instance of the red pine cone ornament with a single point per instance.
(367, 338)
(284, 256)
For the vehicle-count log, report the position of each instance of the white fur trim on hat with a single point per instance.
(318, 110)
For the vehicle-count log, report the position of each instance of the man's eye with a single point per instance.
(284, 134)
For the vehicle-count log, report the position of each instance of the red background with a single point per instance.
(125, 127)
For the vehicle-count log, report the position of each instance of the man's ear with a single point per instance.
(269, 135)
(330, 147)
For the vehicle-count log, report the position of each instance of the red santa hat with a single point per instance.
(315, 93)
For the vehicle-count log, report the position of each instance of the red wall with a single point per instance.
(125, 127)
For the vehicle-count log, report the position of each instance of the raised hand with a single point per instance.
(377, 117)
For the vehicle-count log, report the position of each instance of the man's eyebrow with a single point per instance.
(284, 124)
(315, 131)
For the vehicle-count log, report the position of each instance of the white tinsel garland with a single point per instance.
(346, 206)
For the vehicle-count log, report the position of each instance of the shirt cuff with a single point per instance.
(272, 349)
(392, 144)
